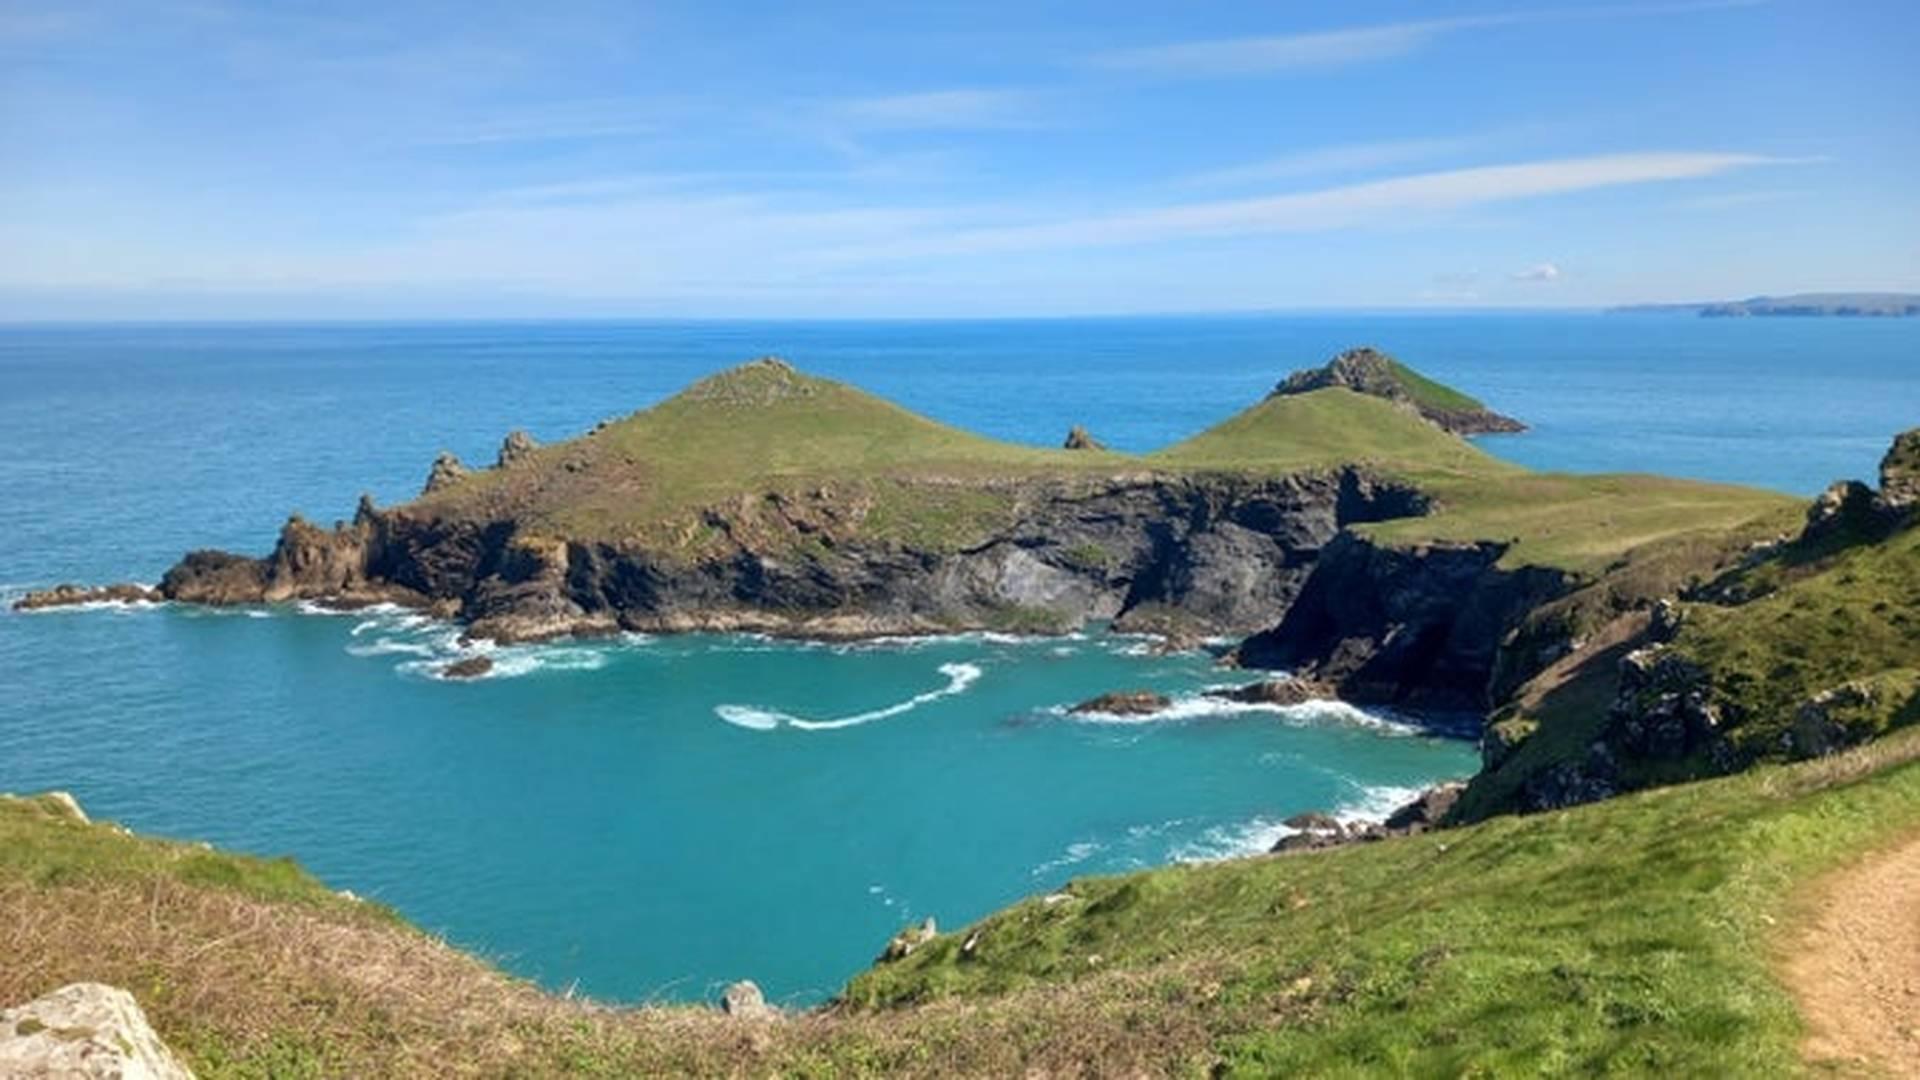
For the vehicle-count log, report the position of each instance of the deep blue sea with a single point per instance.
(650, 818)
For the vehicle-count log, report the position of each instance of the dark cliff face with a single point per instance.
(1416, 627)
(1210, 554)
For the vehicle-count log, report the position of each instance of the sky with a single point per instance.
(230, 159)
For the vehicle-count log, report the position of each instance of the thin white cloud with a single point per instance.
(936, 110)
(1354, 45)
(1539, 273)
(1374, 202)
(1347, 157)
(552, 122)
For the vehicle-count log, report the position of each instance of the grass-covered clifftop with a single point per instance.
(1634, 936)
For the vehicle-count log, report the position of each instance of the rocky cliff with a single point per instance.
(1369, 371)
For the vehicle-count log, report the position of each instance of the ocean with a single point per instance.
(650, 818)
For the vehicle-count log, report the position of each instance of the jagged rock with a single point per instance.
(86, 1030)
(1847, 506)
(1664, 707)
(1427, 810)
(517, 447)
(744, 1000)
(447, 471)
(1367, 370)
(1664, 624)
(68, 595)
(1124, 703)
(472, 667)
(1276, 692)
(1078, 439)
(906, 941)
(1900, 473)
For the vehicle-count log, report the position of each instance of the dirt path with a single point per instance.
(1855, 969)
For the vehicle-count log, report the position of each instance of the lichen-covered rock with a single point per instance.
(744, 1001)
(447, 470)
(83, 1031)
(517, 447)
(1079, 439)
(1664, 708)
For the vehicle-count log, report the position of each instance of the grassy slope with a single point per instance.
(764, 428)
(1433, 394)
(1631, 936)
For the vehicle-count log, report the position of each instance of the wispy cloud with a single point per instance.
(1371, 203)
(1538, 273)
(941, 110)
(1354, 45)
(1347, 157)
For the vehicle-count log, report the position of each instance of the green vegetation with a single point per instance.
(1424, 391)
(1631, 936)
(777, 454)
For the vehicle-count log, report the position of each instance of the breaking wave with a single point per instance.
(959, 678)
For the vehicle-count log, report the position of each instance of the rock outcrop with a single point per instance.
(1369, 371)
(1316, 831)
(1219, 554)
(1123, 703)
(69, 595)
(906, 941)
(446, 472)
(1287, 691)
(86, 1030)
(1420, 627)
(744, 1001)
(1079, 439)
(517, 447)
(471, 667)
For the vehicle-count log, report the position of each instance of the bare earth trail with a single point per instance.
(1855, 968)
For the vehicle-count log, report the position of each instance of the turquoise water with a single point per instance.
(650, 817)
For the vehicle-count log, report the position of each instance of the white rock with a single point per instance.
(81, 1032)
(743, 999)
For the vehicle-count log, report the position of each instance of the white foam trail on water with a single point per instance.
(389, 646)
(755, 718)
(1202, 707)
(1077, 852)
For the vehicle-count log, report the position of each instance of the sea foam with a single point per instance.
(756, 718)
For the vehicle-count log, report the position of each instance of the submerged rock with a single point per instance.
(82, 1031)
(68, 595)
(1124, 703)
(472, 667)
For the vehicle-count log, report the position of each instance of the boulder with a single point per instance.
(1427, 809)
(447, 471)
(472, 667)
(906, 941)
(744, 1000)
(517, 447)
(1124, 703)
(1078, 439)
(83, 1031)
(1276, 692)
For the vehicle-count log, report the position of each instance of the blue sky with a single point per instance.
(224, 159)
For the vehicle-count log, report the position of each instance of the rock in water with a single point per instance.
(447, 470)
(517, 447)
(906, 941)
(470, 668)
(744, 1000)
(82, 1031)
(1124, 703)
(1277, 692)
(1078, 439)
(71, 595)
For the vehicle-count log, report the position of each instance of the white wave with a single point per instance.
(1257, 835)
(959, 678)
(1203, 707)
(256, 613)
(1077, 852)
(390, 646)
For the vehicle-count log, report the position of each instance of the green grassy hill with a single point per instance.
(1635, 936)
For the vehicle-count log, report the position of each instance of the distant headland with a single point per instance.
(1857, 305)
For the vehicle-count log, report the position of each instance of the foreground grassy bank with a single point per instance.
(1634, 935)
